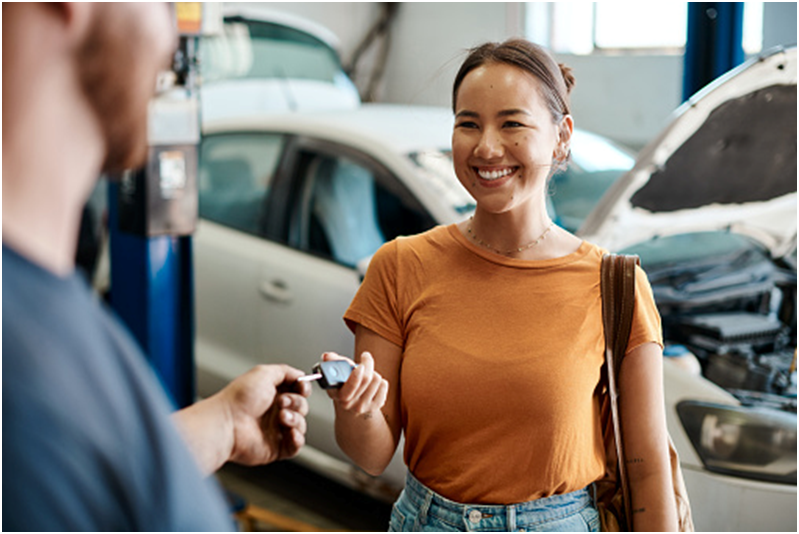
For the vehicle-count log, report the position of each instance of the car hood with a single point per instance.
(727, 160)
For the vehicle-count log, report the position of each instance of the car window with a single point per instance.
(260, 49)
(439, 174)
(347, 209)
(595, 164)
(235, 174)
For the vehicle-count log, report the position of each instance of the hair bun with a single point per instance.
(568, 77)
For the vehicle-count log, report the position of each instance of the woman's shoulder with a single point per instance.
(428, 241)
(413, 247)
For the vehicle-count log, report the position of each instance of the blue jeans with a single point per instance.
(420, 509)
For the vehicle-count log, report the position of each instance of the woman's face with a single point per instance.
(504, 139)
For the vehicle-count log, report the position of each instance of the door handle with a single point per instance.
(276, 291)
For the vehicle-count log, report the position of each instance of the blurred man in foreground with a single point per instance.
(88, 439)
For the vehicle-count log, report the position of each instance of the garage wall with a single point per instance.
(627, 98)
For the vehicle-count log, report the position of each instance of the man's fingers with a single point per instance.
(277, 374)
(293, 420)
(293, 441)
(294, 402)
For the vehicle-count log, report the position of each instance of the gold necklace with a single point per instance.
(516, 250)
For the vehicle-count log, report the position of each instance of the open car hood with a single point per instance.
(726, 161)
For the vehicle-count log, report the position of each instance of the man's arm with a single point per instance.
(256, 419)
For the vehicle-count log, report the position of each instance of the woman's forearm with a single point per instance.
(369, 435)
(646, 440)
(653, 506)
(366, 438)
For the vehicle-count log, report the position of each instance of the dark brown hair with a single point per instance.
(556, 79)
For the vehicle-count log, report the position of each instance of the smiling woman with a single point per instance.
(505, 308)
(512, 129)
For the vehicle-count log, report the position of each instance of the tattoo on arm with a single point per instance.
(639, 511)
(635, 461)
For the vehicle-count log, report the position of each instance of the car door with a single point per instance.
(342, 207)
(236, 198)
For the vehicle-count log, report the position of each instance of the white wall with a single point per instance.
(627, 98)
(779, 24)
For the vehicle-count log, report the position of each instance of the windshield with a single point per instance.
(257, 49)
(436, 168)
(595, 164)
(686, 249)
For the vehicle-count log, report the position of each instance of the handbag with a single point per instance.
(613, 490)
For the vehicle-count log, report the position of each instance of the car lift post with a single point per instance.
(714, 43)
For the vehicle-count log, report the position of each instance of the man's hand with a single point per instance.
(256, 419)
(267, 410)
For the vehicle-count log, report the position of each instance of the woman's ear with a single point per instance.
(565, 130)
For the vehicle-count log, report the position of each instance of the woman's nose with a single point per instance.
(490, 145)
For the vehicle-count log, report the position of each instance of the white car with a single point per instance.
(271, 61)
(292, 207)
(710, 207)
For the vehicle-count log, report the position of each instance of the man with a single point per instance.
(88, 441)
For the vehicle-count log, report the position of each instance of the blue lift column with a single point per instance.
(714, 43)
(152, 291)
(153, 212)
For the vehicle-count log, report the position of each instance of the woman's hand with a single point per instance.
(365, 391)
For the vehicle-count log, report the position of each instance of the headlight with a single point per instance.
(746, 442)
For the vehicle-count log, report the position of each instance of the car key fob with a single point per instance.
(330, 375)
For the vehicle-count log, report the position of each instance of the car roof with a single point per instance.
(260, 14)
(405, 129)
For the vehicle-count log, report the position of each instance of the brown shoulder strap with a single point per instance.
(618, 305)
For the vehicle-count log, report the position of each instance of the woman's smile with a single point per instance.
(494, 176)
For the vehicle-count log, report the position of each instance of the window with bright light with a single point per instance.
(590, 27)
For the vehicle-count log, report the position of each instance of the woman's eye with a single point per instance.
(512, 124)
(467, 124)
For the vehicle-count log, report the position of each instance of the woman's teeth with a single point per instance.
(493, 175)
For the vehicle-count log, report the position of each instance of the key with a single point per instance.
(331, 375)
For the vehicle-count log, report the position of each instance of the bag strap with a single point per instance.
(618, 304)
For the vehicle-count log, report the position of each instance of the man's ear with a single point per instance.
(74, 17)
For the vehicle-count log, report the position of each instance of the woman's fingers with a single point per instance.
(361, 392)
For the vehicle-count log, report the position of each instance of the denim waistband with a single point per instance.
(493, 516)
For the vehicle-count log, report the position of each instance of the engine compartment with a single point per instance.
(736, 311)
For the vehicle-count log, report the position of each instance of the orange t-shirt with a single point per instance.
(500, 366)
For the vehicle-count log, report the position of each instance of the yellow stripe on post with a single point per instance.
(190, 17)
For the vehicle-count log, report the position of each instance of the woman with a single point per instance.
(487, 335)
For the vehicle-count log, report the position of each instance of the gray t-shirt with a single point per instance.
(88, 443)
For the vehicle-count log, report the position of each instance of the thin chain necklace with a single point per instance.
(516, 250)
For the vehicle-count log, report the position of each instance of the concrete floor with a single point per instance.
(298, 494)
